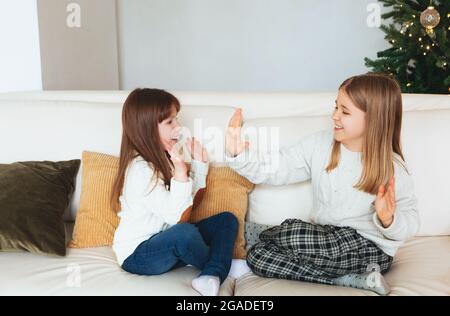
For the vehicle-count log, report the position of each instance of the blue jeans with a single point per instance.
(207, 245)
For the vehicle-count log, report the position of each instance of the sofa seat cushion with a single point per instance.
(89, 271)
(421, 267)
(99, 274)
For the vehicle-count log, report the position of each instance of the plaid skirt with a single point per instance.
(297, 250)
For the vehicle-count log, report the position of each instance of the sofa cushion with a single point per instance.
(226, 190)
(420, 267)
(96, 221)
(271, 205)
(92, 271)
(33, 197)
(425, 140)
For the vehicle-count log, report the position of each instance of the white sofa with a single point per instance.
(60, 125)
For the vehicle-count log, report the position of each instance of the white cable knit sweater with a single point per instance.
(336, 202)
(144, 213)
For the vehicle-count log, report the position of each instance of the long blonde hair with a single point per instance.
(379, 96)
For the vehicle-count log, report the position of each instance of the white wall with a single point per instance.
(244, 45)
(220, 45)
(20, 65)
(78, 58)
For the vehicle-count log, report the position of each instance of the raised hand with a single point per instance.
(385, 203)
(196, 150)
(233, 143)
(180, 173)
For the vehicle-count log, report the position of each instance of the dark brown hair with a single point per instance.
(142, 111)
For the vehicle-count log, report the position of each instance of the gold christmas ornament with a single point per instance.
(430, 19)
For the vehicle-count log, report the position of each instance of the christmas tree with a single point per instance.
(419, 55)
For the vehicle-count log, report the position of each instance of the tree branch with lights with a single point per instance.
(419, 55)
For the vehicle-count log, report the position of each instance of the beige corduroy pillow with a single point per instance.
(226, 190)
(96, 221)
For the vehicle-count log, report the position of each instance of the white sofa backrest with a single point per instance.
(58, 130)
(52, 126)
(255, 105)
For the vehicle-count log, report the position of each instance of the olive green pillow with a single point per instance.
(33, 197)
